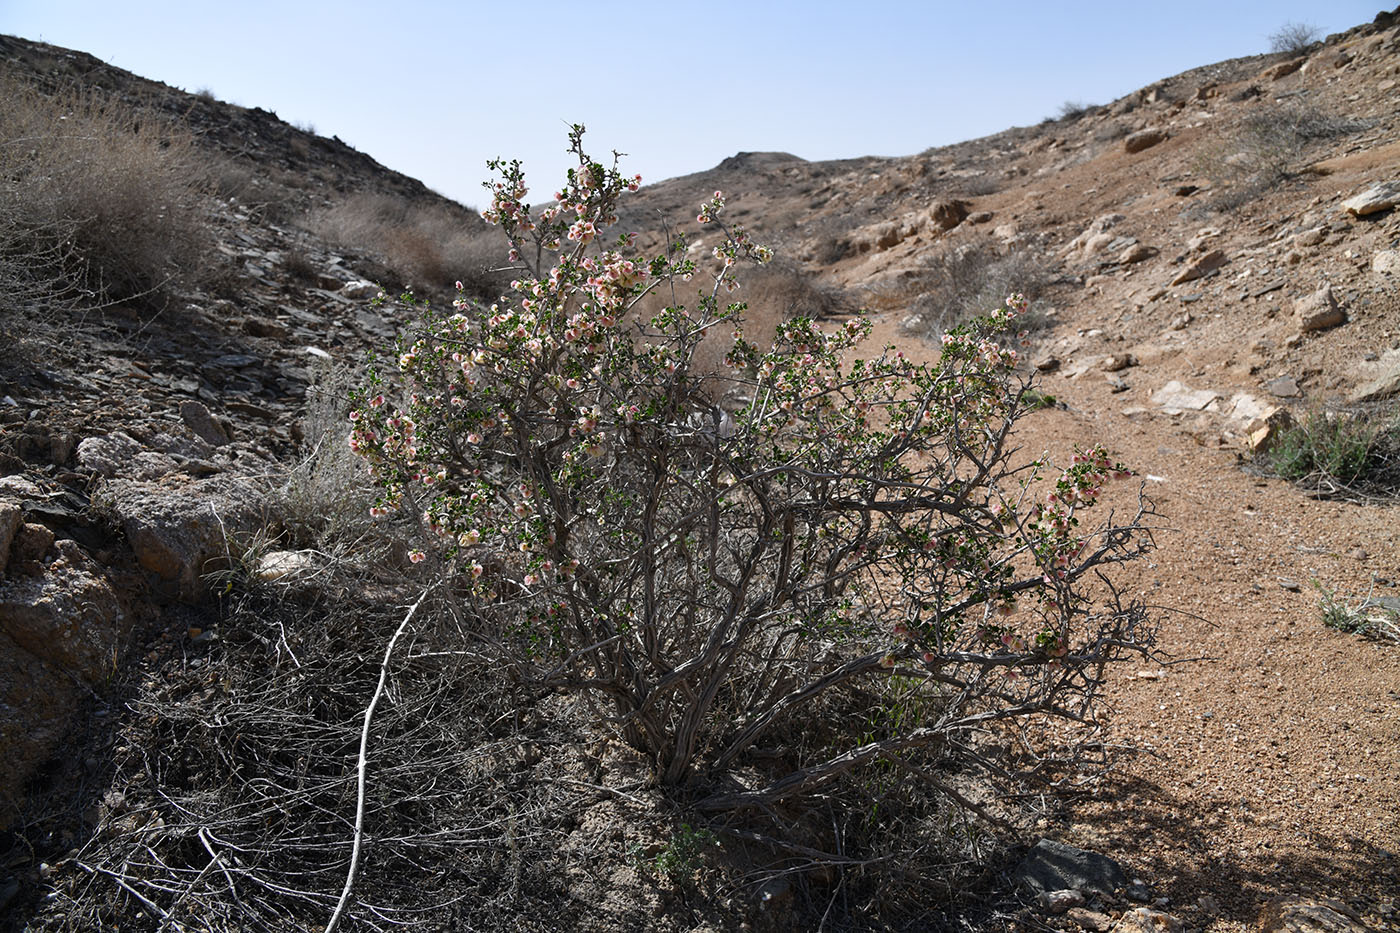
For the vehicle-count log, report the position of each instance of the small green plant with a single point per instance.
(681, 859)
(1333, 450)
(1371, 617)
(1294, 38)
(1036, 399)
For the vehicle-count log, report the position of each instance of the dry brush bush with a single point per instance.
(95, 196)
(959, 284)
(710, 578)
(233, 792)
(324, 500)
(772, 294)
(1294, 39)
(1270, 146)
(427, 247)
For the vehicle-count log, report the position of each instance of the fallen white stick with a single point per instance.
(364, 746)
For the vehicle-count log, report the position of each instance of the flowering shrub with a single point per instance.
(711, 555)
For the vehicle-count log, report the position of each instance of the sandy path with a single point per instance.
(1271, 763)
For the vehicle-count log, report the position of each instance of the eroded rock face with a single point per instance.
(60, 631)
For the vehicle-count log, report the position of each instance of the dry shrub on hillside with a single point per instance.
(1270, 146)
(774, 293)
(325, 500)
(1294, 39)
(1071, 111)
(965, 282)
(977, 186)
(424, 246)
(94, 196)
(779, 291)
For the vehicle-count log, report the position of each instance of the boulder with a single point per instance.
(1282, 69)
(1385, 384)
(60, 632)
(1263, 432)
(1201, 267)
(887, 234)
(1135, 253)
(278, 565)
(1198, 243)
(1057, 902)
(1097, 243)
(181, 531)
(32, 541)
(1318, 311)
(359, 290)
(1381, 196)
(1245, 408)
(1310, 915)
(1143, 139)
(117, 452)
(1101, 224)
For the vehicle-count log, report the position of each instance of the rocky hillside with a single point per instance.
(1212, 257)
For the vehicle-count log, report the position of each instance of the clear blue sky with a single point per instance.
(434, 89)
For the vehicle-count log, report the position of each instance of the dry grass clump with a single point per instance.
(324, 502)
(95, 197)
(425, 246)
(1072, 111)
(977, 186)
